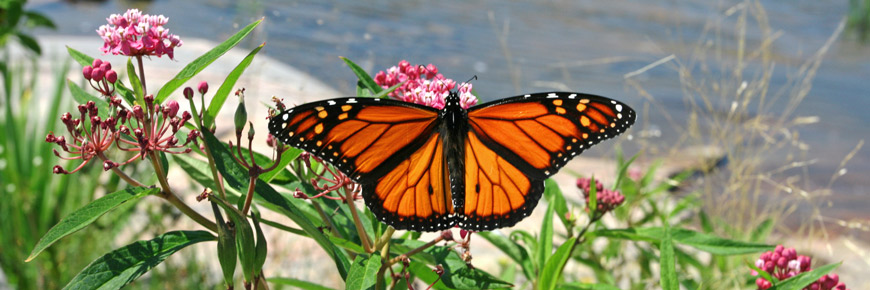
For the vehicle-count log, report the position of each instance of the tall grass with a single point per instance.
(727, 83)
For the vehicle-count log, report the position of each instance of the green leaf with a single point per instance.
(87, 215)
(236, 176)
(203, 61)
(592, 205)
(261, 248)
(125, 93)
(135, 82)
(668, 273)
(760, 232)
(226, 246)
(245, 244)
(703, 242)
(545, 243)
(586, 286)
(557, 201)
(803, 279)
(552, 270)
(365, 79)
(383, 94)
(28, 42)
(220, 97)
(78, 56)
(36, 19)
(512, 249)
(297, 283)
(363, 272)
(122, 266)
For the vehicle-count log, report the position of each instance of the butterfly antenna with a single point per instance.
(473, 78)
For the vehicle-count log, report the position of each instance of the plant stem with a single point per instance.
(416, 250)
(366, 241)
(120, 173)
(142, 75)
(252, 182)
(167, 194)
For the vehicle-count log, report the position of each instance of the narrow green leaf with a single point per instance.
(261, 248)
(760, 232)
(545, 242)
(29, 42)
(122, 266)
(668, 275)
(704, 242)
(220, 97)
(363, 272)
(586, 286)
(236, 176)
(622, 172)
(78, 56)
(297, 283)
(367, 81)
(125, 93)
(245, 244)
(226, 246)
(803, 279)
(135, 83)
(513, 250)
(552, 270)
(557, 200)
(36, 19)
(203, 61)
(383, 94)
(87, 215)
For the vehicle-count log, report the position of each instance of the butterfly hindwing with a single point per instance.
(415, 194)
(362, 137)
(540, 133)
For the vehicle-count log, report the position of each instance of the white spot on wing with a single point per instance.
(552, 96)
(351, 101)
(572, 96)
(526, 96)
(285, 117)
(618, 108)
(331, 102)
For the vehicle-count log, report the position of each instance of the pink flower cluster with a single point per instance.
(101, 76)
(423, 85)
(783, 263)
(607, 199)
(137, 34)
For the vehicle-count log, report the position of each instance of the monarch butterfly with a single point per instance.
(424, 169)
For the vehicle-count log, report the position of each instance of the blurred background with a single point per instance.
(777, 89)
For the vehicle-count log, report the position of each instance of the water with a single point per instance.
(517, 47)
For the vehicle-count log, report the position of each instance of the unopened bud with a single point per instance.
(203, 87)
(111, 76)
(86, 71)
(241, 115)
(188, 93)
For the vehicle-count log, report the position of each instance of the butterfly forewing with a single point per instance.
(539, 133)
(362, 137)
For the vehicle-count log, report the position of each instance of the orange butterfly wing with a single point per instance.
(362, 137)
(516, 143)
(391, 148)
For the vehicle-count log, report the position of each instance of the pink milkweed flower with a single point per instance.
(423, 85)
(783, 263)
(137, 34)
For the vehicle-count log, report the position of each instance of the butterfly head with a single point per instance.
(452, 100)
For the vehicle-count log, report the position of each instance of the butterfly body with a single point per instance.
(425, 169)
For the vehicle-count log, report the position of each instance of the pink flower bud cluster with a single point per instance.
(137, 34)
(422, 85)
(101, 76)
(783, 263)
(139, 130)
(607, 199)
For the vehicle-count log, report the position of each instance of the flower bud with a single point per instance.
(97, 74)
(203, 87)
(50, 138)
(149, 100)
(188, 93)
(97, 62)
(447, 235)
(241, 115)
(86, 71)
(59, 170)
(173, 108)
(111, 76)
(109, 164)
(106, 66)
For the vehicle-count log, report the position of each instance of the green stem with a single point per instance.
(363, 236)
(120, 173)
(416, 250)
(252, 182)
(169, 196)
(142, 75)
